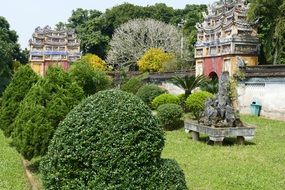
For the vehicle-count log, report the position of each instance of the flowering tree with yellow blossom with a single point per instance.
(96, 62)
(154, 60)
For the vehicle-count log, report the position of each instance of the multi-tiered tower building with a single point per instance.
(225, 39)
(50, 47)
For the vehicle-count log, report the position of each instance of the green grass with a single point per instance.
(12, 175)
(257, 165)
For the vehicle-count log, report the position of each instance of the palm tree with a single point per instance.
(188, 83)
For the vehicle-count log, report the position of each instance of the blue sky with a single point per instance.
(25, 15)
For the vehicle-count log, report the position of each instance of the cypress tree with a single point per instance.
(16, 91)
(46, 104)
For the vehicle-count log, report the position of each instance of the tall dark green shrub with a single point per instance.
(110, 141)
(16, 91)
(148, 92)
(45, 105)
(90, 79)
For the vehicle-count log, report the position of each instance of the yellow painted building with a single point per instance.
(225, 40)
(50, 47)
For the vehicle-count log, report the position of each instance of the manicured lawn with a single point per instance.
(257, 165)
(12, 175)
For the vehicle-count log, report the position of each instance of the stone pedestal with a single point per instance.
(217, 135)
(195, 135)
(218, 143)
(240, 140)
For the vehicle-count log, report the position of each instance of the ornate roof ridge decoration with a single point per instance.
(225, 31)
(223, 7)
(48, 29)
(224, 14)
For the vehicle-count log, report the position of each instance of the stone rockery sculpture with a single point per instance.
(219, 111)
(220, 119)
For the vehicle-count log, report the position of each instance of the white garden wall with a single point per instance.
(269, 92)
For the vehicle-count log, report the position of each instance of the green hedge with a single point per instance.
(45, 105)
(196, 102)
(110, 141)
(164, 99)
(15, 92)
(170, 116)
(148, 92)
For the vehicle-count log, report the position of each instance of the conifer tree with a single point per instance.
(44, 107)
(16, 91)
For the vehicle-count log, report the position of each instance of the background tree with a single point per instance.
(118, 15)
(191, 15)
(16, 91)
(270, 17)
(9, 51)
(90, 79)
(8, 46)
(91, 29)
(95, 29)
(132, 39)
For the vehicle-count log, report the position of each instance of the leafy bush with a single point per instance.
(164, 99)
(182, 101)
(110, 141)
(196, 102)
(148, 92)
(154, 59)
(45, 105)
(169, 116)
(96, 62)
(134, 83)
(89, 79)
(15, 92)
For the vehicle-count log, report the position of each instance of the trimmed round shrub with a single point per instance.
(15, 92)
(182, 101)
(169, 116)
(148, 92)
(109, 141)
(196, 102)
(164, 99)
(44, 107)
